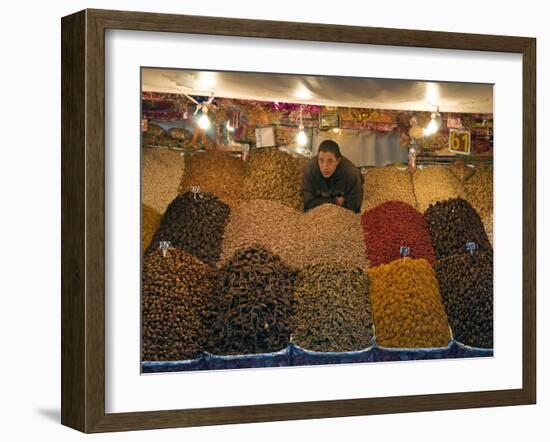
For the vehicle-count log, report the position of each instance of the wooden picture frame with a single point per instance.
(83, 220)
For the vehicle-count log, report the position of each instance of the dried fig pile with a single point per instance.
(176, 294)
(466, 284)
(452, 224)
(194, 223)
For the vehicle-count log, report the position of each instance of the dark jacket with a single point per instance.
(346, 181)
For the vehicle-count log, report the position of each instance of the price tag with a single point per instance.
(471, 246)
(459, 141)
(164, 246)
(404, 251)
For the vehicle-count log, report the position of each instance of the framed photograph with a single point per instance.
(205, 283)
(328, 120)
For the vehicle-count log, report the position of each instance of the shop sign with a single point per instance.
(459, 141)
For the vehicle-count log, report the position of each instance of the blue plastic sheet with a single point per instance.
(278, 359)
(294, 355)
(172, 366)
(465, 351)
(301, 356)
(385, 354)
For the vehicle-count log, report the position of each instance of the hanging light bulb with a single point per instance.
(434, 124)
(204, 122)
(301, 138)
(229, 127)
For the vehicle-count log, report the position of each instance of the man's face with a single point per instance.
(327, 163)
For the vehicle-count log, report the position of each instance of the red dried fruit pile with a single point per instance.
(391, 225)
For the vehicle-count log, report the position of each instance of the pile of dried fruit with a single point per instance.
(466, 284)
(327, 233)
(454, 223)
(479, 193)
(253, 309)
(435, 183)
(215, 172)
(386, 184)
(406, 305)
(392, 225)
(150, 221)
(161, 172)
(194, 223)
(332, 311)
(276, 176)
(176, 292)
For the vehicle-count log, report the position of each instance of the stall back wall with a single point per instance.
(365, 147)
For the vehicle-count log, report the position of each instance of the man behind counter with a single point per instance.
(332, 178)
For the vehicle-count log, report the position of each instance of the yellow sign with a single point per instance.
(459, 141)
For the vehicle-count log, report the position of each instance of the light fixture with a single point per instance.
(301, 137)
(204, 122)
(434, 124)
(229, 127)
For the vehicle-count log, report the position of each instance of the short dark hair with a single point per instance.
(330, 146)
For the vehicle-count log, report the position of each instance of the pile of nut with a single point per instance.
(195, 223)
(252, 312)
(161, 172)
(466, 284)
(216, 172)
(435, 183)
(176, 292)
(332, 311)
(393, 225)
(386, 184)
(152, 135)
(274, 175)
(479, 193)
(406, 305)
(150, 221)
(327, 233)
(461, 170)
(332, 234)
(269, 223)
(453, 224)
(180, 134)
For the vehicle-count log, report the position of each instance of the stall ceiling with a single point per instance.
(327, 91)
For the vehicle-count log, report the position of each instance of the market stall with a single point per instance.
(235, 274)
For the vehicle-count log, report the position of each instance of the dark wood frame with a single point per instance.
(83, 211)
